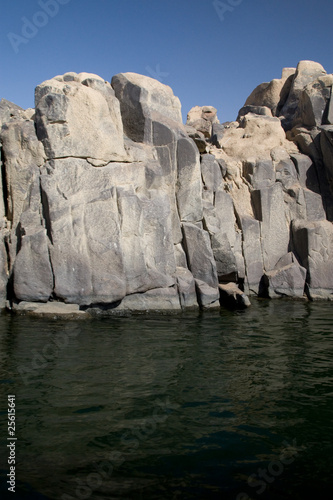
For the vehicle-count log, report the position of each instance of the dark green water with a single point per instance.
(234, 405)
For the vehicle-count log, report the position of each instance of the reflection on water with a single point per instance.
(214, 406)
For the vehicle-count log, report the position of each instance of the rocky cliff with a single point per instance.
(109, 202)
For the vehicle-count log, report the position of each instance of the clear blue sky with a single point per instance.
(207, 59)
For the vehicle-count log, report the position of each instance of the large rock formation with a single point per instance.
(109, 202)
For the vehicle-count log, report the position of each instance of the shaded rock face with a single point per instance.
(109, 202)
(142, 100)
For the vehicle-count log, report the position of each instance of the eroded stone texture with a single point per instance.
(306, 72)
(198, 137)
(189, 185)
(9, 110)
(3, 190)
(33, 276)
(110, 203)
(252, 253)
(199, 254)
(286, 280)
(313, 243)
(307, 172)
(50, 310)
(84, 228)
(3, 271)
(208, 296)
(211, 174)
(314, 102)
(77, 120)
(270, 211)
(186, 289)
(326, 144)
(158, 300)
(254, 137)
(260, 174)
(116, 242)
(140, 97)
(23, 155)
(202, 119)
(147, 249)
(272, 94)
(330, 111)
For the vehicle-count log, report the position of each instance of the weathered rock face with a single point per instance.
(287, 279)
(270, 211)
(306, 73)
(8, 110)
(79, 116)
(3, 273)
(140, 99)
(313, 243)
(109, 202)
(202, 119)
(253, 255)
(23, 155)
(274, 94)
(314, 101)
(87, 235)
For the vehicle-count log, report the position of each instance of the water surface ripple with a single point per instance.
(236, 405)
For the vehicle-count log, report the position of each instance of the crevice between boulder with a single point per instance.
(4, 193)
(45, 212)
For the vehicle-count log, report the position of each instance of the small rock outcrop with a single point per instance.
(110, 203)
(233, 296)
